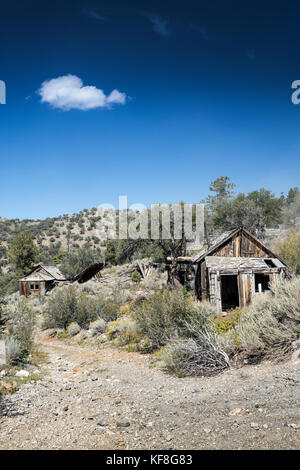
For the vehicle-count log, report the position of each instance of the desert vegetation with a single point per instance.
(188, 338)
(146, 314)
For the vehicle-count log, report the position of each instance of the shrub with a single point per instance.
(97, 326)
(73, 329)
(110, 310)
(289, 249)
(166, 314)
(125, 310)
(125, 328)
(136, 277)
(88, 309)
(62, 308)
(68, 305)
(21, 323)
(270, 325)
(15, 351)
(224, 324)
(195, 356)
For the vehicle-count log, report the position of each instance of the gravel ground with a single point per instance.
(111, 399)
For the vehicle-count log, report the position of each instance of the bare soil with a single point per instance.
(112, 399)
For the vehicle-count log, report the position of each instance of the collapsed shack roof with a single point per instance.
(88, 273)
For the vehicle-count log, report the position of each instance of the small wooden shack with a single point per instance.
(40, 280)
(235, 269)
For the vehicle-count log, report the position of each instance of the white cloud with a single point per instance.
(67, 92)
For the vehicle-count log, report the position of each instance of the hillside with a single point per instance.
(53, 234)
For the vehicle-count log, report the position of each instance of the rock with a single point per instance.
(258, 405)
(294, 426)
(22, 373)
(102, 422)
(94, 379)
(195, 390)
(65, 408)
(296, 344)
(235, 411)
(254, 426)
(296, 355)
(51, 333)
(207, 430)
(123, 423)
(3, 373)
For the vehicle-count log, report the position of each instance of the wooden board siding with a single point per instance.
(241, 246)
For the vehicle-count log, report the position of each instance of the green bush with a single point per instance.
(224, 324)
(62, 308)
(69, 305)
(166, 314)
(136, 277)
(125, 329)
(110, 310)
(88, 309)
(21, 323)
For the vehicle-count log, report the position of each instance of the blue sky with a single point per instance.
(203, 90)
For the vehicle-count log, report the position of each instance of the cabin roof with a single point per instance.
(52, 274)
(221, 262)
(37, 277)
(227, 236)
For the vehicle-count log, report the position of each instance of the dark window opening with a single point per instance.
(181, 275)
(229, 292)
(270, 263)
(34, 286)
(263, 281)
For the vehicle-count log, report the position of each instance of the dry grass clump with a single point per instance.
(200, 354)
(270, 325)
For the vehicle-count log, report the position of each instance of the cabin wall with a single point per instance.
(208, 285)
(241, 245)
(26, 290)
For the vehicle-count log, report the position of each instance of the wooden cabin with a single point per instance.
(235, 269)
(40, 280)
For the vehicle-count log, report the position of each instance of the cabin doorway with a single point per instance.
(229, 292)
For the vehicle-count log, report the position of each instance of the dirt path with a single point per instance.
(110, 399)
